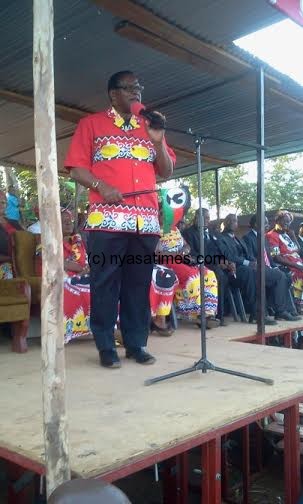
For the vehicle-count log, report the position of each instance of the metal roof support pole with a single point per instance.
(261, 299)
(218, 195)
(52, 335)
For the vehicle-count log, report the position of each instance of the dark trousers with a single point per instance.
(129, 283)
(223, 281)
(277, 285)
(246, 281)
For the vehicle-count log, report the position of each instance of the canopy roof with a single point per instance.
(182, 53)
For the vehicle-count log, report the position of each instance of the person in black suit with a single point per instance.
(300, 239)
(212, 251)
(246, 274)
(276, 281)
(244, 278)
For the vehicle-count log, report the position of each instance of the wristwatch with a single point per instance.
(95, 184)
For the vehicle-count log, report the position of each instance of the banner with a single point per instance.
(292, 8)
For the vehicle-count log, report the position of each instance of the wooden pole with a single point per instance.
(53, 359)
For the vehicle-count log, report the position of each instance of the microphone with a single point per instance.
(156, 121)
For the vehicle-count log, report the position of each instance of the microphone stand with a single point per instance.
(203, 364)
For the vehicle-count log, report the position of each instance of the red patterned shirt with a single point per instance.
(121, 155)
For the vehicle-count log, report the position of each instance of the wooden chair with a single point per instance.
(236, 304)
(15, 302)
(24, 246)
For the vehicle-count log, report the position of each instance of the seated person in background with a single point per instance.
(286, 251)
(76, 281)
(181, 225)
(300, 239)
(215, 226)
(171, 247)
(80, 229)
(235, 250)
(187, 297)
(35, 228)
(162, 292)
(276, 281)
(12, 211)
(7, 228)
(212, 249)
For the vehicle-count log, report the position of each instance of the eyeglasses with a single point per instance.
(131, 88)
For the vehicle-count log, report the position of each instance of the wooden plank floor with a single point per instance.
(113, 418)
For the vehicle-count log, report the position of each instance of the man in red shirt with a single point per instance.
(114, 152)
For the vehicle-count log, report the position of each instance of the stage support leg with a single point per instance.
(225, 470)
(292, 477)
(288, 340)
(211, 472)
(182, 478)
(259, 447)
(245, 464)
(169, 483)
(21, 484)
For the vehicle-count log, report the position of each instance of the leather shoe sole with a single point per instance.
(141, 357)
(109, 359)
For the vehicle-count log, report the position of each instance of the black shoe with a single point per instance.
(140, 356)
(287, 316)
(210, 322)
(267, 320)
(162, 331)
(109, 359)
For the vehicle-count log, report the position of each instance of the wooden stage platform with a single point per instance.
(118, 426)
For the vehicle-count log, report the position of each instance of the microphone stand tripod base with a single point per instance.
(204, 365)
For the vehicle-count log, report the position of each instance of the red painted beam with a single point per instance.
(182, 478)
(211, 472)
(245, 464)
(224, 468)
(22, 461)
(292, 476)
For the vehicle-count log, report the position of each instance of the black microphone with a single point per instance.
(155, 120)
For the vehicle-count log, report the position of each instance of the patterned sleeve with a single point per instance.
(79, 154)
(274, 244)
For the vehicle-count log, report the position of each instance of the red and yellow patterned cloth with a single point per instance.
(121, 155)
(281, 244)
(76, 294)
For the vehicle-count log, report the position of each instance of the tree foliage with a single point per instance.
(283, 186)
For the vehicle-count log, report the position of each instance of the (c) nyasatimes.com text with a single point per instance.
(161, 259)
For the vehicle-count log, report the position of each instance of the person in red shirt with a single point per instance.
(112, 153)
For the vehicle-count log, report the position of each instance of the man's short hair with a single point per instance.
(115, 79)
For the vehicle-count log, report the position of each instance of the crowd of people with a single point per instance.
(231, 261)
